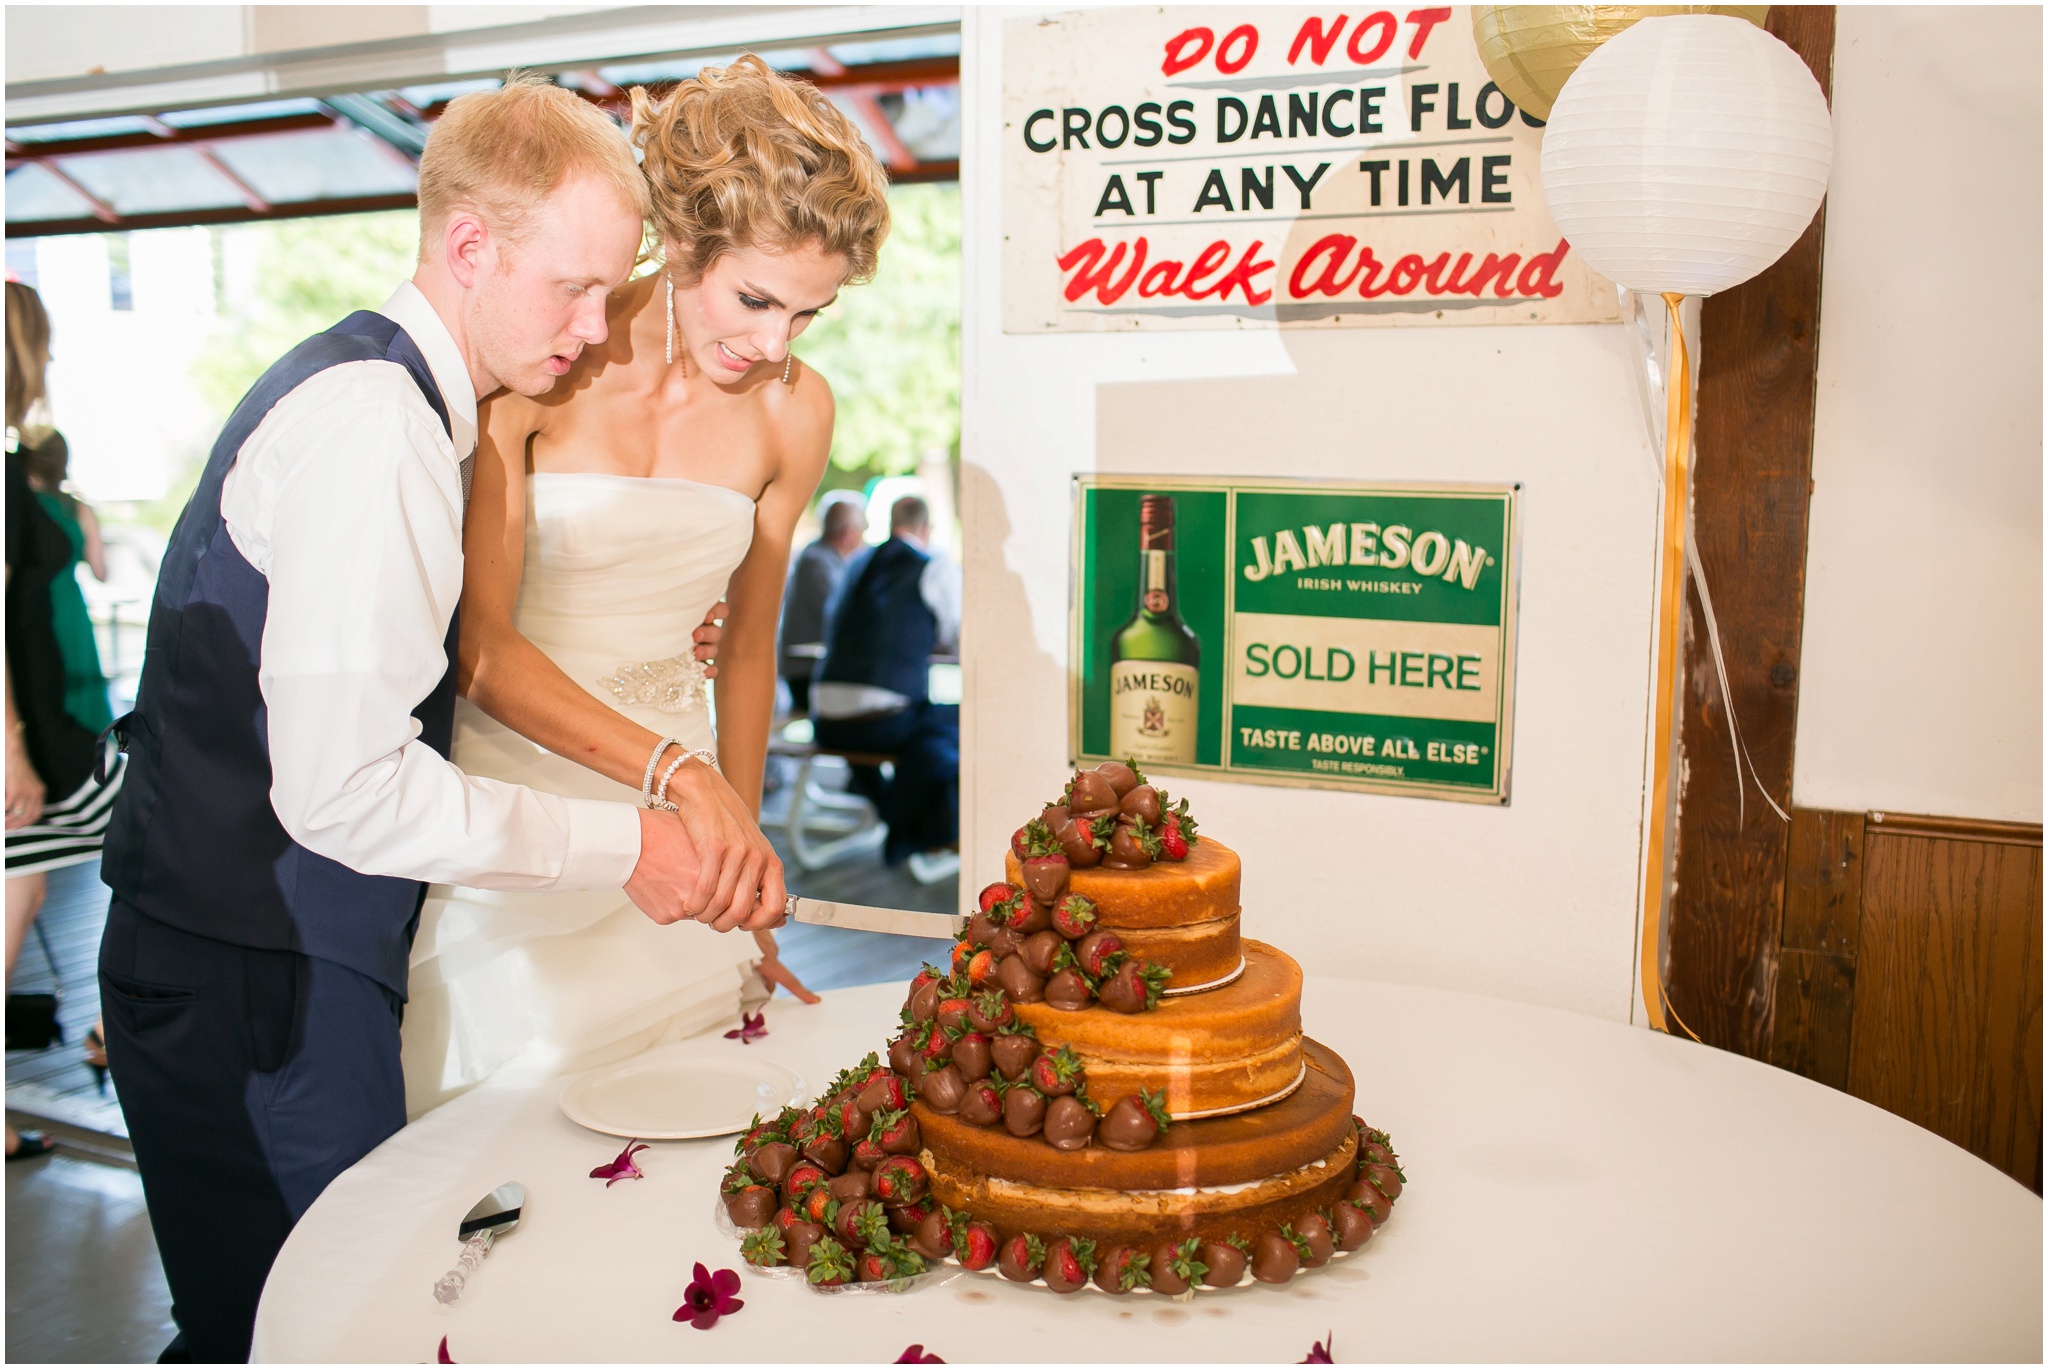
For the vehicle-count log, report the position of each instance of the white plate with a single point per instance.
(679, 1098)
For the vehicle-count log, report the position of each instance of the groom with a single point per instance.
(288, 784)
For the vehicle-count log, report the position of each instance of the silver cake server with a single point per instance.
(494, 1215)
(859, 916)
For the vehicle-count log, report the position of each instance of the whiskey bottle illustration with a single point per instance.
(1155, 659)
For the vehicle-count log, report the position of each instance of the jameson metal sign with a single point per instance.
(1353, 636)
(1226, 168)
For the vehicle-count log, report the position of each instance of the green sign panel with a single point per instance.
(1350, 636)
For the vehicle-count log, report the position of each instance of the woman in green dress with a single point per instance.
(85, 687)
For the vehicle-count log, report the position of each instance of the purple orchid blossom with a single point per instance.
(915, 1354)
(1321, 1353)
(709, 1297)
(751, 1028)
(623, 1167)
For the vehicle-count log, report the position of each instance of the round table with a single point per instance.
(1578, 1190)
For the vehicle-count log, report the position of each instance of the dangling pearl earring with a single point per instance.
(788, 360)
(669, 335)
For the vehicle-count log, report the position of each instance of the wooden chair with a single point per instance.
(825, 826)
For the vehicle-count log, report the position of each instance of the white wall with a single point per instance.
(1535, 901)
(1922, 658)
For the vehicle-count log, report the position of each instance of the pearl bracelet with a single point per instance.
(661, 797)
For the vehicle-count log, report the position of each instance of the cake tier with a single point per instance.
(1245, 1147)
(1229, 1048)
(1181, 914)
(1245, 1174)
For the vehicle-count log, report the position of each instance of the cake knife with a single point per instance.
(858, 916)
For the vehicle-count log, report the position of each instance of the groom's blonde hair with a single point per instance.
(501, 152)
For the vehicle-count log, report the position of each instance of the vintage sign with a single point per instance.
(1354, 636)
(1214, 168)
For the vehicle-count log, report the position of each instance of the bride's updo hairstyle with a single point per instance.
(742, 156)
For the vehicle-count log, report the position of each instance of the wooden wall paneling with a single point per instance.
(1816, 980)
(1947, 1027)
(1759, 360)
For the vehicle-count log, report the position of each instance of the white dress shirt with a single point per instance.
(939, 586)
(348, 499)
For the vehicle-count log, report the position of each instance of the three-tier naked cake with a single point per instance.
(1108, 1084)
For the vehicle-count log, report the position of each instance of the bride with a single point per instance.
(664, 473)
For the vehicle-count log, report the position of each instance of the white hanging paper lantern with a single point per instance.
(1687, 154)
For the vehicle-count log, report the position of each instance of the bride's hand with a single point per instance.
(739, 883)
(774, 972)
(707, 637)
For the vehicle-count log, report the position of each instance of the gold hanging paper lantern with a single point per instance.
(1530, 51)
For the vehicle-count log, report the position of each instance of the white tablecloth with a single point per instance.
(1578, 1190)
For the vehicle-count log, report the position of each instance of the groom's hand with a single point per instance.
(739, 876)
(706, 638)
(668, 871)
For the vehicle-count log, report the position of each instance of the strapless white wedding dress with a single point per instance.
(619, 571)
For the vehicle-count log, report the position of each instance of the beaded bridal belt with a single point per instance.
(675, 685)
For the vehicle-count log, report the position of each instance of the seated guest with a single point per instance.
(898, 604)
(813, 580)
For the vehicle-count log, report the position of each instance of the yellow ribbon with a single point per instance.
(1670, 603)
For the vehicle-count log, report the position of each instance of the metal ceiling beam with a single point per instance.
(201, 134)
(185, 218)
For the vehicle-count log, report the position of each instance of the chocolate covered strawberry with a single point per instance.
(1386, 1178)
(1122, 777)
(1020, 841)
(1045, 866)
(1091, 795)
(1176, 1268)
(1014, 1052)
(1370, 1201)
(1023, 1110)
(765, 1247)
(942, 1090)
(903, 1052)
(1003, 945)
(1040, 950)
(1068, 991)
(933, 1237)
(974, 1245)
(1123, 1268)
(1069, 1124)
(971, 1056)
(951, 1013)
(1069, 1264)
(1018, 981)
(1276, 1258)
(820, 1206)
(753, 1205)
(904, 1218)
(849, 1187)
(896, 1133)
(1053, 814)
(1134, 1121)
(1133, 846)
(1001, 894)
(884, 1095)
(1058, 1074)
(1022, 1258)
(867, 1153)
(1226, 1261)
(801, 1179)
(1176, 832)
(853, 1119)
(771, 1160)
(1030, 918)
(899, 1180)
(1133, 986)
(856, 1223)
(981, 930)
(981, 1105)
(1317, 1241)
(1142, 801)
(827, 1149)
(830, 1264)
(800, 1240)
(1074, 916)
(1083, 840)
(981, 967)
(1353, 1226)
(989, 1012)
(1093, 952)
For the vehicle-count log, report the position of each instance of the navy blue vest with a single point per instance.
(194, 841)
(883, 632)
